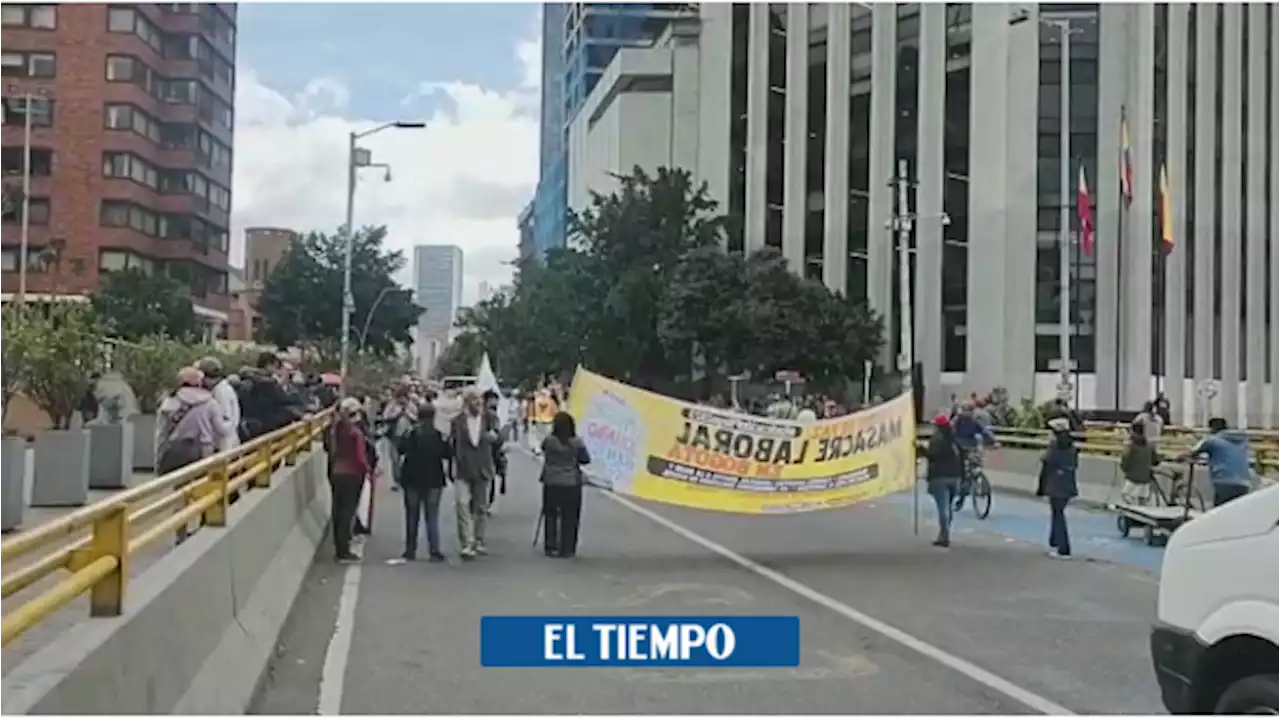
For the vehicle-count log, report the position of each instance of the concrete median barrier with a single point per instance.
(200, 625)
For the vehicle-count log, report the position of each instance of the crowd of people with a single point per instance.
(960, 436)
(435, 441)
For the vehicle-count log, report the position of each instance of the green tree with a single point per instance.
(134, 304)
(65, 349)
(646, 293)
(461, 357)
(301, 303)
(635, 239)
(150, 366)
(15, 349)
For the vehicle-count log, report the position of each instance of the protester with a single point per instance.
(426, 455)
(396, 421)
(189, 425)
(1227, 454)
(88, 404)
(1137, 463)
(493, 408)
(972, 436)
(1057, 482)
(945, 467)
(544, 412)
(348, 465)
(474, 435)
(228, 402)
(1149, 422)
(269, 406)
(562, 482)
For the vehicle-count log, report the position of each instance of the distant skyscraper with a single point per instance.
(437, 286)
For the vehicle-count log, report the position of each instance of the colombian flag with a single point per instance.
(1084, 209)
(1166, 213)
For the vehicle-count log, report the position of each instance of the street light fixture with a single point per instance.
(358, 158)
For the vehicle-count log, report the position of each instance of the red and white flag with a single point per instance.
(1084, 208)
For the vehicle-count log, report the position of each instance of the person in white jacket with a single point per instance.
(228, 402)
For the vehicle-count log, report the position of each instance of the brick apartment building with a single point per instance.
(131, 145)
(263, 249)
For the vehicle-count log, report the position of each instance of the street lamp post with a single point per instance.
(27, 99)
(356, 159)
(1064, 220)
(368, 317)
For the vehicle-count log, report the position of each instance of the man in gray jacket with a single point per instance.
(476, 440)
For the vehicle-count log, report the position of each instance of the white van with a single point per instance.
(1214, 643)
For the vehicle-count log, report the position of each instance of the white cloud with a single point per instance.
(462, 180)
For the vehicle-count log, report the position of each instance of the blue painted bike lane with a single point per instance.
(1093, 532)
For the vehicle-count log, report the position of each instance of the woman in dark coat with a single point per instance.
(945, 469)
(1058, 483)
(422, 476)
(562, 480)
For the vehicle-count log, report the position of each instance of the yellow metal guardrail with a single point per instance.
(1111, 442)
(124, 524)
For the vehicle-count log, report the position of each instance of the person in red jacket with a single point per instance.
(348, 466)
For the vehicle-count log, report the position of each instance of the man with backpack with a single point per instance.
(190, 424)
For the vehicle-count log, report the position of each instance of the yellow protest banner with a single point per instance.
(662, 449)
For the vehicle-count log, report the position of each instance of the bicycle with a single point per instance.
(975, 485)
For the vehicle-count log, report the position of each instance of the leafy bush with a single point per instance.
(149, 366)
(1032, 415)
(15, 350)
(64, 347)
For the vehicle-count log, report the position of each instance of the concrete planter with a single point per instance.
(144, 441)
(13, 479)
(62, 468)
(111, 456)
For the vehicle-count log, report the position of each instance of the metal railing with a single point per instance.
(1110, 441)
(121, 526)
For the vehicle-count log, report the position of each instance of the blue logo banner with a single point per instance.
(632, 641)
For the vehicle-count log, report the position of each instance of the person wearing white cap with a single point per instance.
(348, 466)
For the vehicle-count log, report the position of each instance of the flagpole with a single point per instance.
(1120, 303)
(1064, 233)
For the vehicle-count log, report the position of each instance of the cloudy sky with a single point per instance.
(310, 73)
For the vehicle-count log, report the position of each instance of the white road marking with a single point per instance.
(333, 674)
(976, 673)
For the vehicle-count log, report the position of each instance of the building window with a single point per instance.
(128, 117)
(37, 260)
(110, 260)
(15, 110)
(120, 68)
(41, 161)
(128, 20)
(120, 19)
(35, 17)
(39, 211)
(180, 92)
(28, 64)
(122, 165)
(115, 260)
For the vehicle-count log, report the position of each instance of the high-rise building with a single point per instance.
(131, 115)
(437, 287)
(798, 115)
(578, 42)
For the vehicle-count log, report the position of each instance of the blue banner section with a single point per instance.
(632, 641)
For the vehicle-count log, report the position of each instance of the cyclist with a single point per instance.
(971, 436)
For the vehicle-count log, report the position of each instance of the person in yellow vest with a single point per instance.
(544, 412)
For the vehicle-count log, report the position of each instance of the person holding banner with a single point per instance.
(562, 481)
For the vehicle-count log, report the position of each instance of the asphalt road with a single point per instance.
(889, 624)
